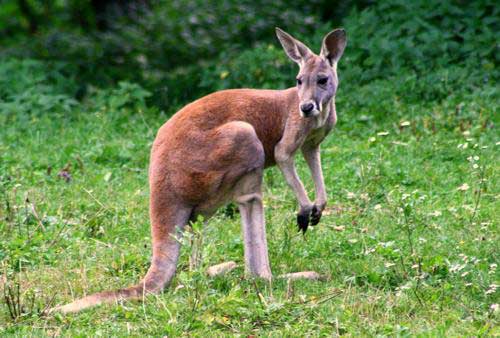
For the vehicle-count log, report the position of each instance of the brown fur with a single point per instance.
(214, 150)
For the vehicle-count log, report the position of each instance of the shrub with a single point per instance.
(181, 50)
(264, 66)
(34, 87)
(421, 36)
(19, 75)
(155, 39)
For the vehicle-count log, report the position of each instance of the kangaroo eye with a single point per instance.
(299, 82)
(323, 81)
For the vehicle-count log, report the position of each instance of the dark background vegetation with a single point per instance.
(179, 50)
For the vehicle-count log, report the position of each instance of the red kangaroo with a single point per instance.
(215, 150)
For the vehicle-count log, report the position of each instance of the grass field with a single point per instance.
(408, 244)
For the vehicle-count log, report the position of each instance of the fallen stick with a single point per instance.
(222, 268)
(312, 275)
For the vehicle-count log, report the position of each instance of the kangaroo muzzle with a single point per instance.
(309, 109)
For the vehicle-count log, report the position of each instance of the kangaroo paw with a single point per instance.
(303, 221)
(315, 215)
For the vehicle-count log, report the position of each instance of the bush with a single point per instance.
(126, 95)
(152, 40)
(265, 66)
(34, 87)
(19, 75)
(181, 50)
(420, 36)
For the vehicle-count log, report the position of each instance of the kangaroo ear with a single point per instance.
(333, 46)
(295, 49)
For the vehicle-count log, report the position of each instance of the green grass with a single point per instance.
(408, 243)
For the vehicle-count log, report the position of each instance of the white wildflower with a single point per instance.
(491, 289)
(457, 267)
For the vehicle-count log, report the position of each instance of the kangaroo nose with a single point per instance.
(307, 108)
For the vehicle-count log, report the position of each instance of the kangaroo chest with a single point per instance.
(317, 135)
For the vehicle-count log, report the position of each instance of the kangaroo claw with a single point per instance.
(303, 220)
(315, 215)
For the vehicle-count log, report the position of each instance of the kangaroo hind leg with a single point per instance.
(249, 198)
(246, 192)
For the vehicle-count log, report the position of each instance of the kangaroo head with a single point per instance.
(317, 79)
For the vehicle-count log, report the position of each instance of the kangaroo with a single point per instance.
(215, 149)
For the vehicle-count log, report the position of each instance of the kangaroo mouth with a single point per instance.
(312, 113)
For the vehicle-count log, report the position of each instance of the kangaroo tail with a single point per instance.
(163, 264)
(133, 292)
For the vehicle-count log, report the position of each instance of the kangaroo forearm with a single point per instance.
(293, 180)
(313, 159)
